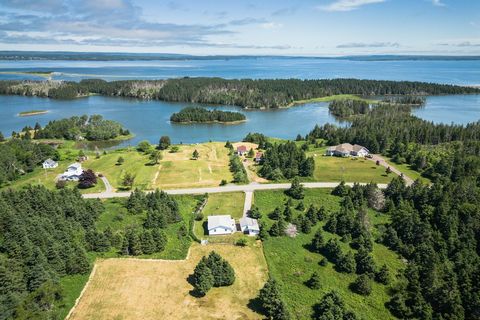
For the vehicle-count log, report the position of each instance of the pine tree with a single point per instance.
(314, 281)
(272, 302)
(318, 241)
(164, 143)
(383, 275)
(203, 279)
(296, 189)
(288, 214)
(362, 285)
(195, 154)
(346, 263)
(2, 137)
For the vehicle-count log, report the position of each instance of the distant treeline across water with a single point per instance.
(246, 93)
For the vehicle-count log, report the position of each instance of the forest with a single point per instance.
(92, 128)
(47, 235)
(197, 114)
(246, 93)
(347, 108)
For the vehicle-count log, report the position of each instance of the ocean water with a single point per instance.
(449, 72)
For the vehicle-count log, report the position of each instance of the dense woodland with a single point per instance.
(197, 114)
(347, 108)
(246, 93)
(92, 128)
(286, 160)
(46, 235)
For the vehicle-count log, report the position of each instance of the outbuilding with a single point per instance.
(249, 226)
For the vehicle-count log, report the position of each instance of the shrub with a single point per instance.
(362, 285)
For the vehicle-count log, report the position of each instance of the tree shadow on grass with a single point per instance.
(194, 292)
(256, 305)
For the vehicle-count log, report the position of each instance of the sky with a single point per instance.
(212, 27)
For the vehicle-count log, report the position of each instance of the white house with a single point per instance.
(73, 172)
(49, 164)
(249, 226)
(347, 150)
(218, 225)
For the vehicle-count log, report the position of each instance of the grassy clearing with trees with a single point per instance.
(291, 264)
(132, 289)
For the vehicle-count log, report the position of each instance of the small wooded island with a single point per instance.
(31, 113)
(202, 115)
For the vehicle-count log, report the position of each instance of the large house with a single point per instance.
(347, 150)
(242, 150)
(249, 226)
(221, 225)
(73, 172)
(49, 164)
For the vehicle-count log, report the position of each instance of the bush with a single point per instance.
(362, 285)
(242, 242)
(323, 262)
(199, 216)
(314, 282)
(60, 184)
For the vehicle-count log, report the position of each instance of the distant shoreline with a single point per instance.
(31, 113)
(209, 122)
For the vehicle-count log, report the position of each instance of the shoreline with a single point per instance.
(210, 122)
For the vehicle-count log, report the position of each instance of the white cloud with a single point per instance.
(438, 3)
(347, 5)
(369, 45)
(271, 25)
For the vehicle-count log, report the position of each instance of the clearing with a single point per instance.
(158, 289)
(291, 264)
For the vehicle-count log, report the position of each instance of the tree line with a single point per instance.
(346, 108)
(197, 114)
(246, 93)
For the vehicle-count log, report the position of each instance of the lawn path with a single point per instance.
(383, 163)
(248, 202)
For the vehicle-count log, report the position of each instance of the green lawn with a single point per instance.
(332, 98)
(291, 264)
(71, 285)
(347, 169)
(220, 204)
(408, 171)
(135, 163)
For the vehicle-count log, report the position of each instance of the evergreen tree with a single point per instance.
(296, 190)
(383, 276)
(346, 263)
(195, 155)
(272, 302)
(318, 241)
(314, 281)
(332, 307)
(203, 279)
(362, 285)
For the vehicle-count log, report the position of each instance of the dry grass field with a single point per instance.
(125, 289)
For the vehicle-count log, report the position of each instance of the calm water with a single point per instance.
(451, 72)
(150, 119)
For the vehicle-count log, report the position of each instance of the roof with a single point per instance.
(75, 165)
(241, 148)
(347, 148)
(220, 221)
(259, 155)
(49, 161)
(252, 224)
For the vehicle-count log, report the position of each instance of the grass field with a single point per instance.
(177, 170)
(346, 169)
(154, 289)
(331, 98)
(291, 264)
(220, 204)
(407, 170)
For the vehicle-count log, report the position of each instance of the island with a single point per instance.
(203, 115)
(31, 113)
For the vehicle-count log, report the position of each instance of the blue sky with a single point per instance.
(205, 27)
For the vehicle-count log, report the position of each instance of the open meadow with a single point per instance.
(292, 264)
(158, 289)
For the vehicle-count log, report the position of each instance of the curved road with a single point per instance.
(230, 188)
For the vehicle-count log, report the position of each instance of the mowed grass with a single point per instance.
(291, 264)
(155, 289)
(118, 218)
(333, 169)
(220, 204)
(178, 170)
(134, 162)
(332, 98)
(408, 171)
(47, 178)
